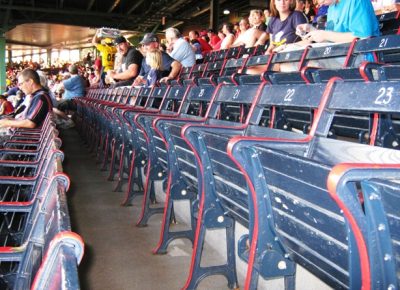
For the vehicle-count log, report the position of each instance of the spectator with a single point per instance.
(154, 61)
(236, 29)
(244, 25)
(309, 11)
(107, 50)
(95, 78)
(256, 19)
(5, 106)
(39, 106)
(322, 11)
(204, 46)
(74, 87)
(180, 49)
(267, 15)
(221, 36)
(255, 35)
(300, 5)
(197, 50)
(282, 26)
(227, 29)
(170, 67)
(131, 62)
(346, 21)
(214, 39)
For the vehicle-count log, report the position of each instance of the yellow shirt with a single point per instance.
(107, 56)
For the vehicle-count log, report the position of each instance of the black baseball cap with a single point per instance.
(119, 39)
(148, 38)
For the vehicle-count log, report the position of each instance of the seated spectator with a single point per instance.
(227, 29)
(5, 106)
(197, 50)
(255, 35)
(244, 25)
(221, 36)
(154, 61)
(267, 15)
(283, 23)
(179, 48)
(346, 21)
(170, 67)
(74, 87)
(256, 19)
(204, 36)
(300, 6)
(214, 39)
(131, 62)
(95, 78)
(39, 106)
(322, 11)
(309, 11)
(204, 46)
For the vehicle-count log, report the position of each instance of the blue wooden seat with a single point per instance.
(389, 23)
(214, 68)
(224, 188)
(198, 70)
(369, 117)
(381, 202)
(234, 52)
(385, 48)
(30, 231)
(127, 152)
(63, 255)
(306, 215)
(155, 166)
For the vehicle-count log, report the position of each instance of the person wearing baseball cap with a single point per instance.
(131, 63)
(170, 67)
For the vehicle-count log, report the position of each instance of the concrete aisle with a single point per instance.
(117, 253)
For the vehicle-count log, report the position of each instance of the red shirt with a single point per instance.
(8, 108)
(214, 40)
(205, 47)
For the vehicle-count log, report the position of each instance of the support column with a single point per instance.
(2, 63)
(9, 56)
(48, 52)
(214, 12)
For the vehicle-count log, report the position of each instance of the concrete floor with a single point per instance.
(117, 253)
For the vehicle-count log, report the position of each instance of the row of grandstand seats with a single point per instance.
(38, 249)
(384, 50)
(294, 162)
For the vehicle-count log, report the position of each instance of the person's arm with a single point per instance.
(329, 36)
(139, 80)
(228, 41)
(131, 72)
(26, 123)
(66, 84)
(262, 39)
(175, 68)
(95, 39)
(2, 108)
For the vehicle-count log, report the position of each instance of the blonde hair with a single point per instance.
(154, 59)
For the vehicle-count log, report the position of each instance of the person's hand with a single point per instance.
(316, 36)
(111, 73)
(137, 82)
(303, 29)
(165, 79)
